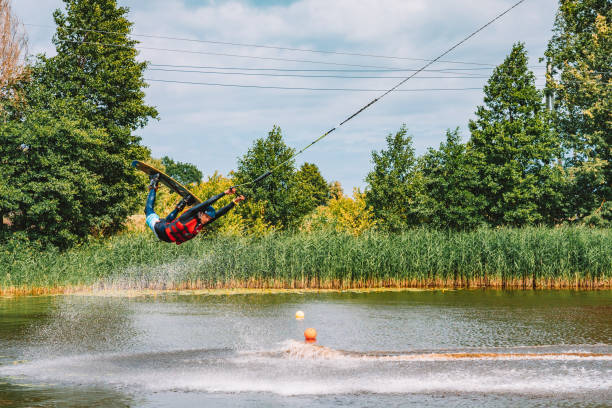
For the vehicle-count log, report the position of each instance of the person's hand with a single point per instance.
(230, 190)
(238, 199)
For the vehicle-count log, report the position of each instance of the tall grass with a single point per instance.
(511, 258)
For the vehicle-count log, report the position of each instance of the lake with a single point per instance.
(397, 348)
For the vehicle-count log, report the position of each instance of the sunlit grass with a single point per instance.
(510, 258)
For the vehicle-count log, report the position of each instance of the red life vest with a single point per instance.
(179, 232)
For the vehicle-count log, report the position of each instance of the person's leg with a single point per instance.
(150, 202)
(179, 207)
(152, 217)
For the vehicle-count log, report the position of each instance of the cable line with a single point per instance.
(322, 76)
(309, 76)
(373, 101)
(196, 40)
(389, 70)
(305, 88)
(444, 70)
(224, 54)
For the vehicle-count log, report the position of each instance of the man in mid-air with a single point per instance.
(187, 226)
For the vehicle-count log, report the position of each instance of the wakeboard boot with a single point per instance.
(154, 180)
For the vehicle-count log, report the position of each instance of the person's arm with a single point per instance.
(202, 206)
(170, 217)
(178, 208)
(211, 200)
(221, 212)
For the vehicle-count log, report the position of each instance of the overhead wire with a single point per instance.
(464, 71)
(307, 76)
(318, 76)
(483, 65)
(197, 40)
(224, 54)
(304, 88)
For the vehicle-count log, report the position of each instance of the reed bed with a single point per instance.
(527, 258)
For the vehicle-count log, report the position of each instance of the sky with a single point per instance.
(211, 126)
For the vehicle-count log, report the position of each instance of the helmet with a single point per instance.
(210, 211)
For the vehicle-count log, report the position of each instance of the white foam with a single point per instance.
(299, 369)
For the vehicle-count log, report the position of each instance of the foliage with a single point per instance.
(335, 189)
(311, 189)
(185, 173)
(70, 150)
(450, 186)
(514, 148)
(601, 218)
(395, 183)
(580, 51)
(342, 214)
(49, 188)
(106, 79)
(275, 195)
(104, 84)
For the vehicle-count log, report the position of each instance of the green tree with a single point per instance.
(580, 52)
(105, 86)
(514, 148)
(48, 188)
(69, 149)
(182, 172)
(275, 194)
(311, 189)
(450, 186)
(395, 183)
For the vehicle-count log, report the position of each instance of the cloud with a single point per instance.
(210, 126)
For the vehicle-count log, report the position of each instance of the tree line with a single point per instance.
(68, 123)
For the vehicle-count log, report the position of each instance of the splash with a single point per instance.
(296, 368)
(303, 351)
(170, 275)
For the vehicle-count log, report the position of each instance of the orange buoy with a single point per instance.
(310, 335)
(299, 315)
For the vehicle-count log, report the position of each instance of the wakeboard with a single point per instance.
(166, 180)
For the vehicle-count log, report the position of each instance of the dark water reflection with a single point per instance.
(378, 349)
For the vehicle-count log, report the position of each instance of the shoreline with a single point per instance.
(190, 289)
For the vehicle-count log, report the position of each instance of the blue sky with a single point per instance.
(211, 126)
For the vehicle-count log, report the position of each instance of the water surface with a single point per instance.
(432, 348)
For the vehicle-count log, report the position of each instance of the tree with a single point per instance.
(311, 189)
(104, 84)
(275, 194)
(580, 52)
(394, 184)
(48, 189)
(185, 173)
(13, 46)
(69, 151)
(335, 189)
(514, 148)
(450, 186)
